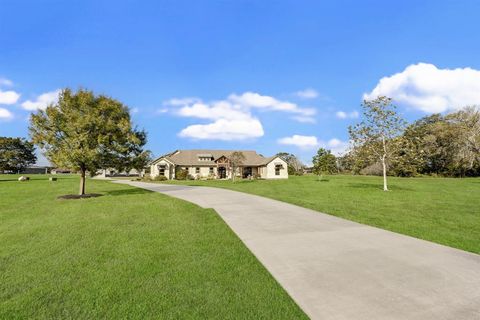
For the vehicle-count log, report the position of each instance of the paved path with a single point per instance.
(338, 269)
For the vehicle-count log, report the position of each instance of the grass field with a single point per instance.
(442, 210)
(130, 254)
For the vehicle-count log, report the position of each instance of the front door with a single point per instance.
(222, 172)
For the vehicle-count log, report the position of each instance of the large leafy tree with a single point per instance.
(378, 131)
(324, 162)
(16, 154)
(85, 132)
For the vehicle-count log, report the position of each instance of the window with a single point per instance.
(211, 170)
(277, 169)
(197, 170)
(161, 170)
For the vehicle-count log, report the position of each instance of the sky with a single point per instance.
(269, 76)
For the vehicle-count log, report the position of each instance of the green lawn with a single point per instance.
(130, 254)
(441, 210)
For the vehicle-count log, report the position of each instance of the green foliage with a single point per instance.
(433, 145)
(84, 131)
(324, 162)
(374, 138)
(160, 178)
(16, 154)
(181, 174)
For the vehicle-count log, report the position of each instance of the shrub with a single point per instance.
(190, 177)
(181, 174)
(160, 178)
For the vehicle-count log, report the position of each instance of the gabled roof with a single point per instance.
(191, 157)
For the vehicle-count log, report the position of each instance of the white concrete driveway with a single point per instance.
(338, 269)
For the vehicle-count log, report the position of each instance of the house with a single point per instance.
(216, 164)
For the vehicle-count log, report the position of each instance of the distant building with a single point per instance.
(216, 164)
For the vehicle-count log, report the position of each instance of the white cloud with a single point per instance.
(162, 110)
(232, 118)
(5, 114)
(336, 146)
(9, 97)
(181, 101)
(255, 100)
(347, 115)
(134, 110)
(224, 129)
(304, 119)
(42, 101)
(427, 88)
(6, 82)
(303, 142)
(216, 110)
(307, 93)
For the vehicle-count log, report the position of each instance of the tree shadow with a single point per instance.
(124, 192)
(376, 186)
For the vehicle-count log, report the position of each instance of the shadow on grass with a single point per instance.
(376, 186)
(124, 192)
(7, 180)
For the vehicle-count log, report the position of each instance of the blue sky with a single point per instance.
(265, 75)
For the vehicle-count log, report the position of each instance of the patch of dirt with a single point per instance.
(77, 196)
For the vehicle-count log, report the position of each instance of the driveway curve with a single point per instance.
(338, 269)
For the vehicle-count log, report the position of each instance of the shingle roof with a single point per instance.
(191, 157)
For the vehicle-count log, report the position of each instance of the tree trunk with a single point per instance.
(82, 182)
(384, 166)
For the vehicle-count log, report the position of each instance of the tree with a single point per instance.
(16, 154)
(466, 124)
(324, 162)
(377, 132)
(236, 160)
(294, 165)
(134, 156)
(84, 131)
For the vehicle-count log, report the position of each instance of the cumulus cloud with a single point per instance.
(347, 115)
(232, 118)
(42, 101)
(6, 82)
(307, 93)
(9, 97)
(427, 88)
(255, 100)
(5, 114)
(224, 129)
(303, 142)
(336, 146)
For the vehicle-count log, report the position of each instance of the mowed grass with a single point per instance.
(442, 210)
(130, 254)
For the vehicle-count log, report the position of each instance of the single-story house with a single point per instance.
(216, 164)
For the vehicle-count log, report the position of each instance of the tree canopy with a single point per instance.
(447, 145)
(86, 132)
(324, 162)
(16, 154)
(376, 134)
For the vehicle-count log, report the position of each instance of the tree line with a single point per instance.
(384, 144)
